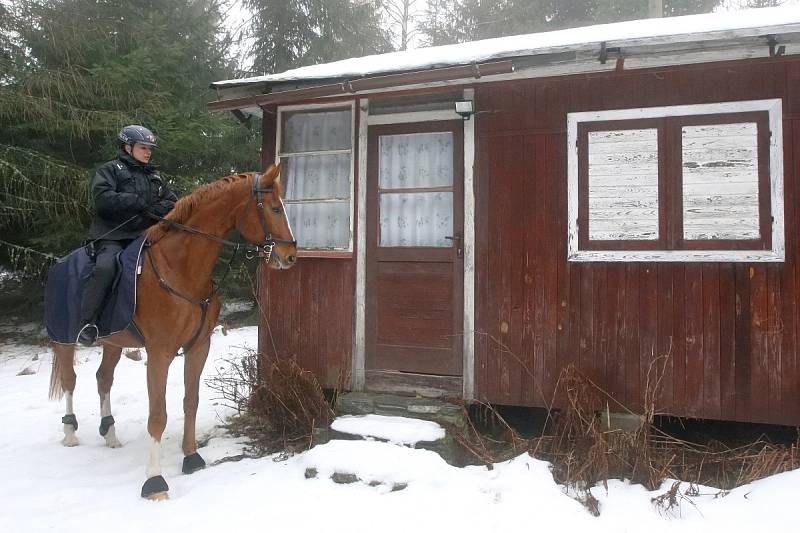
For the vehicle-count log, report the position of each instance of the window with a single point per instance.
(415, 181)
(681, 183)
(316, 149)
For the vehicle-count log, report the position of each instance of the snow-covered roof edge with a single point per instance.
(711, 26)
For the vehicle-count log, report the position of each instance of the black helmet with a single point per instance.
(136, 135)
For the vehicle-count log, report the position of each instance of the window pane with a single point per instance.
(324, 225)
(623, 185)
(416, 219)
(416, 160)
(720, 181)
(317, 176)
(307, 132)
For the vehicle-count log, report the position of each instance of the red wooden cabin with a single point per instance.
(618, 195)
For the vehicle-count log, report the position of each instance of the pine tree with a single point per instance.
(455, 21)
(76, 71)
(292, 33)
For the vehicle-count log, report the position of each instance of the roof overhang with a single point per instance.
(248, 96)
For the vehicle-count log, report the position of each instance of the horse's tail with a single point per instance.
(56, 390)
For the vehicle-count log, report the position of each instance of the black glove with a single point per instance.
(162, 207)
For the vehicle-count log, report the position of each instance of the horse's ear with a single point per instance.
(271, 173)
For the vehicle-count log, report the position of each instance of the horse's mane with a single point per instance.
(185, 206)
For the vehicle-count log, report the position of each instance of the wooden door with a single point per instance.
(414, 298)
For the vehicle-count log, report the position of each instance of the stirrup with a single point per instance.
(87, 336)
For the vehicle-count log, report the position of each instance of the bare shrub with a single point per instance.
(584, 454)
(278, 404)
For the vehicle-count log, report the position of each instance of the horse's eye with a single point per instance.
(276, 210)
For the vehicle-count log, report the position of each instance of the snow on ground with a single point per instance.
(394, 429)
(46, 487)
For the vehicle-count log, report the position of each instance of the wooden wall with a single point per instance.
(308, 314)
(730, 331)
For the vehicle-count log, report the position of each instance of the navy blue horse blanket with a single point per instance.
(62, 297)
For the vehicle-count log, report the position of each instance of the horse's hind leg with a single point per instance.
(62, 382)
(105, 378)
(194, 362)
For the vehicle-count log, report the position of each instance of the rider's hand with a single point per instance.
(162, 207)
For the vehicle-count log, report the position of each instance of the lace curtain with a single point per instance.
(318, 185)
(416, 217)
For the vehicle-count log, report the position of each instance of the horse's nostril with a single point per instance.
(291, 259)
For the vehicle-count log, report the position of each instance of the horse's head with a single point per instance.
(268, 224)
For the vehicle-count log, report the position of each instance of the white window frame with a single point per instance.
(350, 104)
(777, 254)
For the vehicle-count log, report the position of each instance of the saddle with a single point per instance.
(64, 289)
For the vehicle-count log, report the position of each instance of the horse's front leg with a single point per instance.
(105, 378)
(194, 362)
(158, 361)
(62, 381)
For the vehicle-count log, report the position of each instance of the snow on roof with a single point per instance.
(751, 22)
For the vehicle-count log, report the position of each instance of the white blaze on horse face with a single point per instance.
(69, 430)
(154, 459)
(288, 222)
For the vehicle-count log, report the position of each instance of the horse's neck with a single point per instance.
(191, 256)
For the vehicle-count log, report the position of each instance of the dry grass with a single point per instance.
(584, 454)
(279, 405)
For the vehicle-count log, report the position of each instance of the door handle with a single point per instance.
(457, 243)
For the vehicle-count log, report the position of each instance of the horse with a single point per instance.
(178, 306)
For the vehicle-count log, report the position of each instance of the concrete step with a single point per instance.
(450, 416)
(433, 409)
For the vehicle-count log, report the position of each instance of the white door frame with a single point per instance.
(359, 334)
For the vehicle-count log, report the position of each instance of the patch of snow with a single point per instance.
(235, 306)
(393, 429)
(675, 29)
(92, 488)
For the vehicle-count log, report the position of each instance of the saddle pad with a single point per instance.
(62, 297)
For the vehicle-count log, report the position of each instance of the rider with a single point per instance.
(122, 189)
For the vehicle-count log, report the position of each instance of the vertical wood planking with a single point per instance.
(727, 338)
(630, 337)
(665, 339)
(694, 340)
(759, 316)
(742, 344)
(711, 341)
(648, 334)
(679, 340)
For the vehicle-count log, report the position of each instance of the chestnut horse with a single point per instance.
(174, 282)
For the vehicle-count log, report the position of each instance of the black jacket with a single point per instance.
(123, 188)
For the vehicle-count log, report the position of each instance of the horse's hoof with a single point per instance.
(193, 463)
(70, 440)
(113, 442)
(155, 489)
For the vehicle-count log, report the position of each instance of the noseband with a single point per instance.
(263, 250)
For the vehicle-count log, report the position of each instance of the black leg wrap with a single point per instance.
(154, 485)
(71, 420)
(105, 424)
(193, 463)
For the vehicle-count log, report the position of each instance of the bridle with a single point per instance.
(265, 249)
